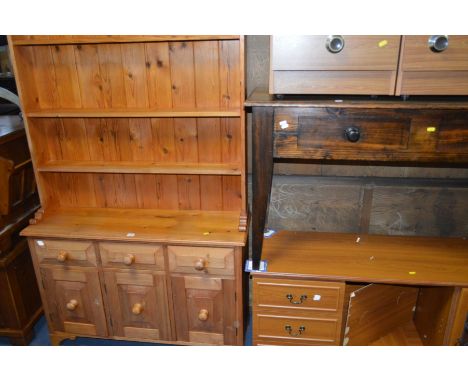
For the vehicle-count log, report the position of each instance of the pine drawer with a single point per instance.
(64, 252)
(123, 255)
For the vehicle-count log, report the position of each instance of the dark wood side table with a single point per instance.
(20, 303)
(359, 129)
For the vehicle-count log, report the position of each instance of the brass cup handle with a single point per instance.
(129, 259)
(438, 43)
(137, 309)
(203, 315)
(290, 297)
(335, 43)
(72, 305)
(62, 256)
(289, 329)
(200, 264)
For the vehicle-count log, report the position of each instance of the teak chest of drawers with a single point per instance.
(379, 65)
(138, 146)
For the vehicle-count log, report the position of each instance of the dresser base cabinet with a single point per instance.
(138, 291)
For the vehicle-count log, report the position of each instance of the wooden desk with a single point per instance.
(429, 275)
(313, 128)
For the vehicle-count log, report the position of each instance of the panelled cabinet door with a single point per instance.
(138, 304)
(205, 310)
(75, 301)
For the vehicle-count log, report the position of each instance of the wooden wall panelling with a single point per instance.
(112, 76)
(68, 86)
(182, 74)
(134, 72)
(158, 72)
(89, 75)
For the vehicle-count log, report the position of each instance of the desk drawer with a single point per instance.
(132, 255)
(297, 330)
(64, 252)
(201, 260)
(298, 295)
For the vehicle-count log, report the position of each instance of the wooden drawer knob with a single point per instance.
(72, 304)
(200, 264)
(62, 256)
(203, 315)
(129, 259)
(137, 309)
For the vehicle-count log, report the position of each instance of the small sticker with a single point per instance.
(431, 129)
(269, 233)
(412, 273)
(206, 233)
(358, 240)
(383, 43)
(317, 297)
(131, 234)
(40, 243)
(338, 100)
(284, 124)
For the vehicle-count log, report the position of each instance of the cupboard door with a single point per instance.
(138, 304)
(75, 301)
(204, 310)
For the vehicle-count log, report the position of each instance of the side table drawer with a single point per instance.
(298, 294)
(299, 330)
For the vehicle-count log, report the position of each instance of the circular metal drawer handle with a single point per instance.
(289, 329)
(438, 43)
(137, 309)
(62, 256)
(353, 134)
(129, 259)
(203, 315)
(72, 305)
(335, 43)
(290, 297)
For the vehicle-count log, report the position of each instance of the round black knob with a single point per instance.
(352, 134)
(438, 43)
(335, 43)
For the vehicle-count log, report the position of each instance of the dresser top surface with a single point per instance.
(261, 97)
(368, 258)
(142, 225)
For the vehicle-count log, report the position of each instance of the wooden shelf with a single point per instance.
(405, 260)
(77, 39)
(136, 113)
(140, 167)
(144, 225)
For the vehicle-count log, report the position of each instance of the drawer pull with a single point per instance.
(72, 305)
(137, 309)
(335, 43)
(200, 264)
(129, 259)
(290, 297)
(203, 315)
(438, 43)
(353, 134)
(62, 256)
(289, 329)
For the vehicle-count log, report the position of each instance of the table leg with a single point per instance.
(262, 173)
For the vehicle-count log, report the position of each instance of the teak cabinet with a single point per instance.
(138, 145)
(377, 65)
